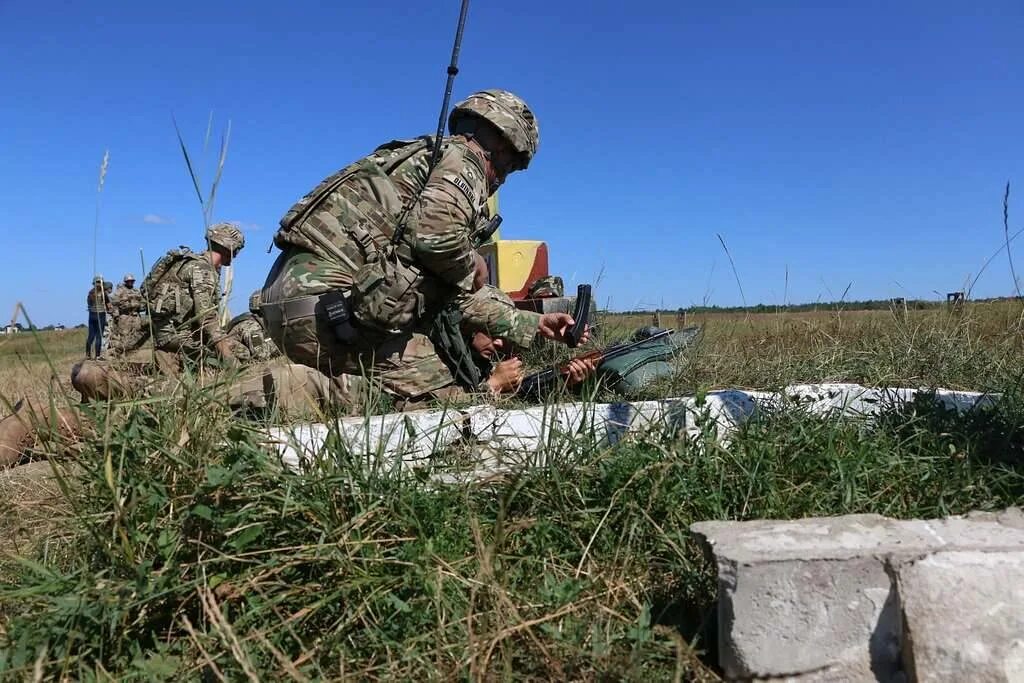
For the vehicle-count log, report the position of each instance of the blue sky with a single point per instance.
(865, 145)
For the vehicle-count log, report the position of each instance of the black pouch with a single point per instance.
(336, 310)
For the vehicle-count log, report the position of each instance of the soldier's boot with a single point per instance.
(29, 419)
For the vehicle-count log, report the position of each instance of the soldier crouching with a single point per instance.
(264, 387)
(261, 381)
(183, 293)
(374, 253)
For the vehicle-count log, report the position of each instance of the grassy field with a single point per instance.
(30, 364)
(172, 547)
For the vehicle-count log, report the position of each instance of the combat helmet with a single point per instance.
(128, 277)
(509, 114)
(98, 280)
(547, 286)
(227, 236)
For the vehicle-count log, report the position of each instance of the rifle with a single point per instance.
(540, 382)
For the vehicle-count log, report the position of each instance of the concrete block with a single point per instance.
(964, 616)
(797, 598)
(394, 440)
(808, 597)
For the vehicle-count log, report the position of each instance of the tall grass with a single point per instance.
(188, 552)
(207, 203)
(175, 547)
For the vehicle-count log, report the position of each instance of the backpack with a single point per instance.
(634, 370)
(163, 293)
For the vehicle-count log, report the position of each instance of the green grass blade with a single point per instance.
(188, 162)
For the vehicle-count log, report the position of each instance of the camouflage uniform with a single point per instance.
(184, 300)
(544, 287)
(263, 383)
(260, 386)
(195, 325)
(284, 387)
(129, 331)
(339, 254)
(491, 311)
(251, 342)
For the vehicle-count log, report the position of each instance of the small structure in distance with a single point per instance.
(13, 328)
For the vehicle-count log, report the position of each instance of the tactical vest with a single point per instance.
(382, 210)
(164, 289)
(127, 302)
(96, 301)
(386, 295)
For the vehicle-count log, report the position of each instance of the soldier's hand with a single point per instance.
(554, 326)
(579, 369)
(506, 376)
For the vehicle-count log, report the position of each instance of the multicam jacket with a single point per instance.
(349, 220)
(491, 311)
(127, 301)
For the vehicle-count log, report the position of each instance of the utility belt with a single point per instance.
(332, 307)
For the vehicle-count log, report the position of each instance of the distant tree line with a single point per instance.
(867, 305)
(48, 328)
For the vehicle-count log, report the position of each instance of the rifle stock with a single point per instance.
(541, 382)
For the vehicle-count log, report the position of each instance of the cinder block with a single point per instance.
(813, 595)
(803, 597)
(964, 616)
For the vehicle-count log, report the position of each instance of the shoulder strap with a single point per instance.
(451, 348)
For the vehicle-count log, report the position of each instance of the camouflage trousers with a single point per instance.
(175, 337)
(178, 343)
(128, 333)
(274, 386)
(406, 366)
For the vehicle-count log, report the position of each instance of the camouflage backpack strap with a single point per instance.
(451, 347)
